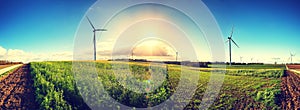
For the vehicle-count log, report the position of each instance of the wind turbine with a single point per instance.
(231, 40)
(241, 58)
(276, 60)
(292, 55)
(94, 39)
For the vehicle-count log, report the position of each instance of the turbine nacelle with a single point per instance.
(99, 30)
(293, 55)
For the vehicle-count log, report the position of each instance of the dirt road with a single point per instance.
(290, 87)
(16, 90)
(8, 68)
(294, 68)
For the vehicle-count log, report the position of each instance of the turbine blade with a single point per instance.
(235, 43)
(90, 22)
(231, 31)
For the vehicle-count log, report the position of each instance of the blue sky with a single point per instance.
(40, 25)
(268, 28)
(262, 27)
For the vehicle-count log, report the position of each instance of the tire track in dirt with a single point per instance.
(290, 91)
(16, 90)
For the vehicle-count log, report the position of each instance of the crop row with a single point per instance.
(257, 73)
(54, 86)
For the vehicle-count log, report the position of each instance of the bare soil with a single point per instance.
(294, 67)
(290, 91)
(16, 90)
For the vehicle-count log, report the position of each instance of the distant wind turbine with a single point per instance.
(94, 39)
(231, 40)
(292, 55)
(241, 58)
(276, 60)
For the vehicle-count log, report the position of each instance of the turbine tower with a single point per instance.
(176, 56)
(292, 55)
(94, 39)
(231, 40)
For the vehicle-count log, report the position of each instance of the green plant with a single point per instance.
(55, 86)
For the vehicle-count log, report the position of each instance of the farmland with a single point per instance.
(55, 87)
(16, 91)
(290, 87)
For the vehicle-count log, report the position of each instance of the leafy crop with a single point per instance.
(56, 87)
(257, 73)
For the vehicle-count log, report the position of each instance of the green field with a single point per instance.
(254, 66)
(244, 87)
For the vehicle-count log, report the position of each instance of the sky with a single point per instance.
(40, 29)
(264, 29)
(46, 29)
(137, 24)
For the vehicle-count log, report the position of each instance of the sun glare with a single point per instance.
(153, 47)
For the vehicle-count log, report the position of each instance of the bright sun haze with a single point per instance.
(154, 50)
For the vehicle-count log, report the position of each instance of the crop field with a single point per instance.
(55, 87)
(265, 66)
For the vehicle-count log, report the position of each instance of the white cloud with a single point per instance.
(22, 56)
(2, 51)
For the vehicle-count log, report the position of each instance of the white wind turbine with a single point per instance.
(231, 40)
(291, 56)
(94, 39)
